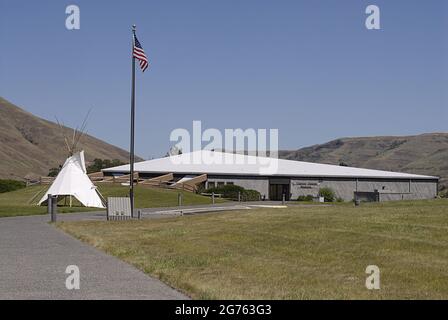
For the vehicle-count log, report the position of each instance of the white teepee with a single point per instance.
(72, 180)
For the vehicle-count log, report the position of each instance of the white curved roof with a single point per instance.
(214, 162)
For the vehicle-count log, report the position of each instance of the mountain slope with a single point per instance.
(425, 154)
(31, 146)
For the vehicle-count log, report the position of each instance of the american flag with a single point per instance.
(139, 54)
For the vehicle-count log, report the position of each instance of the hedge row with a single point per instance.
(230, 191)
(11, 185)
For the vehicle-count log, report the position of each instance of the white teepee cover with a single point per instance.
(72, 180)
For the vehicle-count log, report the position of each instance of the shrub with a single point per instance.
(99, 164)
(54, 171)
(251, 195)
(327, 193)
(305, 198)
(11, 185)
(230, 191)
(339, 199)
(443, 193)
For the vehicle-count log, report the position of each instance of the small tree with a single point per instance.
(53, 172)
(11, 185)
(327, 193)
(99, 164)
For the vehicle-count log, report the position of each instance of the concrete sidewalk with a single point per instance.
(34, 256)
(164, 212)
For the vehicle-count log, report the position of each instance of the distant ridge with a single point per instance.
(27, 147)
(425, 154)
(30, 145)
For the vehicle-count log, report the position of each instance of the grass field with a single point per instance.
(17, 202)
(294, 253)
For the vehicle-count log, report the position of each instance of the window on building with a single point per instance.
(231, 183)
(211, 184)
(220, 184)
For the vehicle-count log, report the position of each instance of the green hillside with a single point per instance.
(18, 202)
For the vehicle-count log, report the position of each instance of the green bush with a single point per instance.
(53, 172)
(99, 164)
(327, 193)
(11, 185)
(305, 198)
(251, 195)
(443, 193)
(230, 191)
(339, 199)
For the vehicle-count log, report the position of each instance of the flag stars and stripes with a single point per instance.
(140, 55)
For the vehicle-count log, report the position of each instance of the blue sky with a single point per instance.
(309, 68)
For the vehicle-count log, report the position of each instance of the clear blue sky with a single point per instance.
(309, 68)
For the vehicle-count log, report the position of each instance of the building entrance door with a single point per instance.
(278, 188)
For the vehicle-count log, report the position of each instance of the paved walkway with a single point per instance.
(164, 212)
(34, 256)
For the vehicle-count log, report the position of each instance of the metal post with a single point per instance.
(213, 198)
(131, 160)
(239, 196)
(49, 207)
(52, 207)
(357, 201)
(179, 199)
(283, 199)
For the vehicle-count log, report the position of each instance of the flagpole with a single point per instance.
(131, 178)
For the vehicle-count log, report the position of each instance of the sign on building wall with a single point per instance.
(305, 184)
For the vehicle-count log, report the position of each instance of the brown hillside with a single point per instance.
(31, 145)
(425, 154)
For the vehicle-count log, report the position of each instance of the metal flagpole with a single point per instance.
(131, 162)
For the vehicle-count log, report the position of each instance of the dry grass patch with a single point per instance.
(294, 253)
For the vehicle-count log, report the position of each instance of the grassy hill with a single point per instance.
(31, 145)
(425, 154)
(17, 203)
(27, 147)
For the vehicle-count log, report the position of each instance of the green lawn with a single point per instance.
(18, 202)
(295, 253)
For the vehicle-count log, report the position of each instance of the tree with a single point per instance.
(99, 164)
(53, 172)
(174, 151)
(11, 185)
(327, 193)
